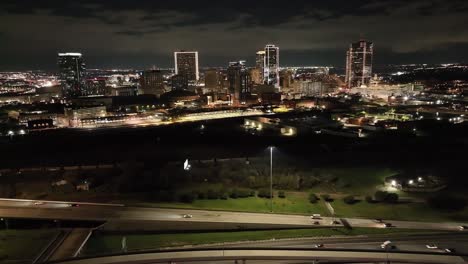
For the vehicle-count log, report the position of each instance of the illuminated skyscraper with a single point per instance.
(359, 64)
(271, 65)
(152, 82)
(213, 80)
(260, 59)
(72, 70)
(239, 81)
(186, 64)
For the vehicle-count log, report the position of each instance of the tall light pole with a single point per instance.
(271, 179)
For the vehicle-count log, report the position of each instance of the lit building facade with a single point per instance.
(271, 65)
(213, 80)
(359, 64)
(152, 82)
(186, 63)
(72, 71)
(239, 82)
(256, 75)
(179, 82)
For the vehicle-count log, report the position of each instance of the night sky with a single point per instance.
(141, 33)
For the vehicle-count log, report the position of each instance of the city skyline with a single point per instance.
(144, 34)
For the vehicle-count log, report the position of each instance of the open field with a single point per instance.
(21, 246)
(107, 243)
(295, 203)
(401, 211)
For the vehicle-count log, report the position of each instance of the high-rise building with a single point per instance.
(97, 86)
(260, 59)
(152, 82)
(72, 70)
(359, 64)
(179, 82)
(271, 65)
(256, 75)
(286, 78)
(239, 82)
(186, 63)
(213, 80)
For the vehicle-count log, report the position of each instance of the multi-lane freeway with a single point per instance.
(121, 217)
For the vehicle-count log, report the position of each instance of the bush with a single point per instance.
(379, 196)
(166, 196)
(224, 196)
(244, 193)
(234, 194)
(252, 193)
(391, 198)
(201, 195)
(281, 194)
(313, 198)
(212, 194)
(369, 199)
(349, 199)
(187, 197)
(326, 197)
(446, 202)
(264, 193)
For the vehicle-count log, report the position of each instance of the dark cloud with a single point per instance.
(133, 33)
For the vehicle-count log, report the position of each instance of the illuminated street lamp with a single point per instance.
(393, 183)
(410, 182)
(271, 178)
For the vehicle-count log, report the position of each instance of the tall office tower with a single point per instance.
(260, 62)
(359, 64)
(186, 63)
(259, 59)
(213, 80)
(256, 75)
(239, 82)
(152, 82)
(179, 82)
(286, 78)
(72, 70)
(271, 65)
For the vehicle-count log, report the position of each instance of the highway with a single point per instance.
(457, 242)
(115, 215)
(273, 255)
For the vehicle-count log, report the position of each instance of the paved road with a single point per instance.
(115, 214)
(457, 242)
(273, 255)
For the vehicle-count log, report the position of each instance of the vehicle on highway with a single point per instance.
(316, 223)
(387, 225)
(187, 216)
(387, 245)
(463, 227)
(450, 250)
(38, 203)
(73, 205)
(316, 216)
(318, 246)
(335, 222)
(432, 246)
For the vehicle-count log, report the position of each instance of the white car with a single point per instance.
(431, 246)
(38, 203)
(463, 227)
(386, 244)
(187, 216)
(316, 216)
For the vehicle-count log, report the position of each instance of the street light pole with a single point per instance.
(271, 179)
